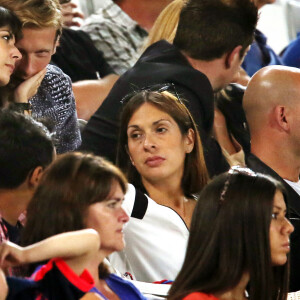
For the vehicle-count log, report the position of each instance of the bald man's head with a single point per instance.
(270, 87)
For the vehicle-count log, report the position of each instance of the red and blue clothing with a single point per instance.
(200, 296)
(57, 281)
(123, 288)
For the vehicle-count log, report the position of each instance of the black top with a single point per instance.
(293, 204)
(231, 106)
(160, 63)
(77, 56)
(14, 232)
(53, 281)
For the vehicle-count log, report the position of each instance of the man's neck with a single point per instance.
(211, 69)
(12, 204)
(144, 12)
(285, 164)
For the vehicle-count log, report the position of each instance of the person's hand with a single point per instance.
(29, 87)
(10, 255)
(70, 13)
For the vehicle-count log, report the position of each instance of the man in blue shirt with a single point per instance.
(260, 54)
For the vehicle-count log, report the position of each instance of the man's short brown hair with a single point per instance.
(36, 13)
(207, 29)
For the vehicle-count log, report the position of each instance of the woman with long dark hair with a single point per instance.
(161, 153)
(239, 241)
(10, 30)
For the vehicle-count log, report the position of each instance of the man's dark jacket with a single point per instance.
(160, 63)
(77, 56)
(293, 204)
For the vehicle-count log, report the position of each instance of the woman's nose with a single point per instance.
(288, 227)
(149, 142)
(16, 53)
(124, 218)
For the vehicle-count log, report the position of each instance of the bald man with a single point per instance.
(272, 106)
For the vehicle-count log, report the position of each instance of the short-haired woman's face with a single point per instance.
(108, 219)
(156, 145)
(9, 54)
(280, 230)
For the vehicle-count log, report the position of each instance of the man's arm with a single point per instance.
(89, 94)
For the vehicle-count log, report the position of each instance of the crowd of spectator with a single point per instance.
(148, 150)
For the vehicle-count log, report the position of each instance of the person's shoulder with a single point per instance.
(53, 70)
(69, 34)
(159, 48)
(290, 56)
(57, 84)
(253, 162)
(94, 19)
(97, 20)
(55, 74)
(199, 296)
(126, 287)
(172, 64)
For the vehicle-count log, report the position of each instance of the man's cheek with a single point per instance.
(42, 63)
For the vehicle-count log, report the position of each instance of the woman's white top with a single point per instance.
(156, 239)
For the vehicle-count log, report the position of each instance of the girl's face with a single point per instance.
(9, 54)
(280, 230)
(156, 145)
(108, 219)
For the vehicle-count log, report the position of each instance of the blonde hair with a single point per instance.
(36, 13)
(165, 25)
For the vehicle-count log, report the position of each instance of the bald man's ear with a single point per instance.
(281, 117)
(233, 57)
